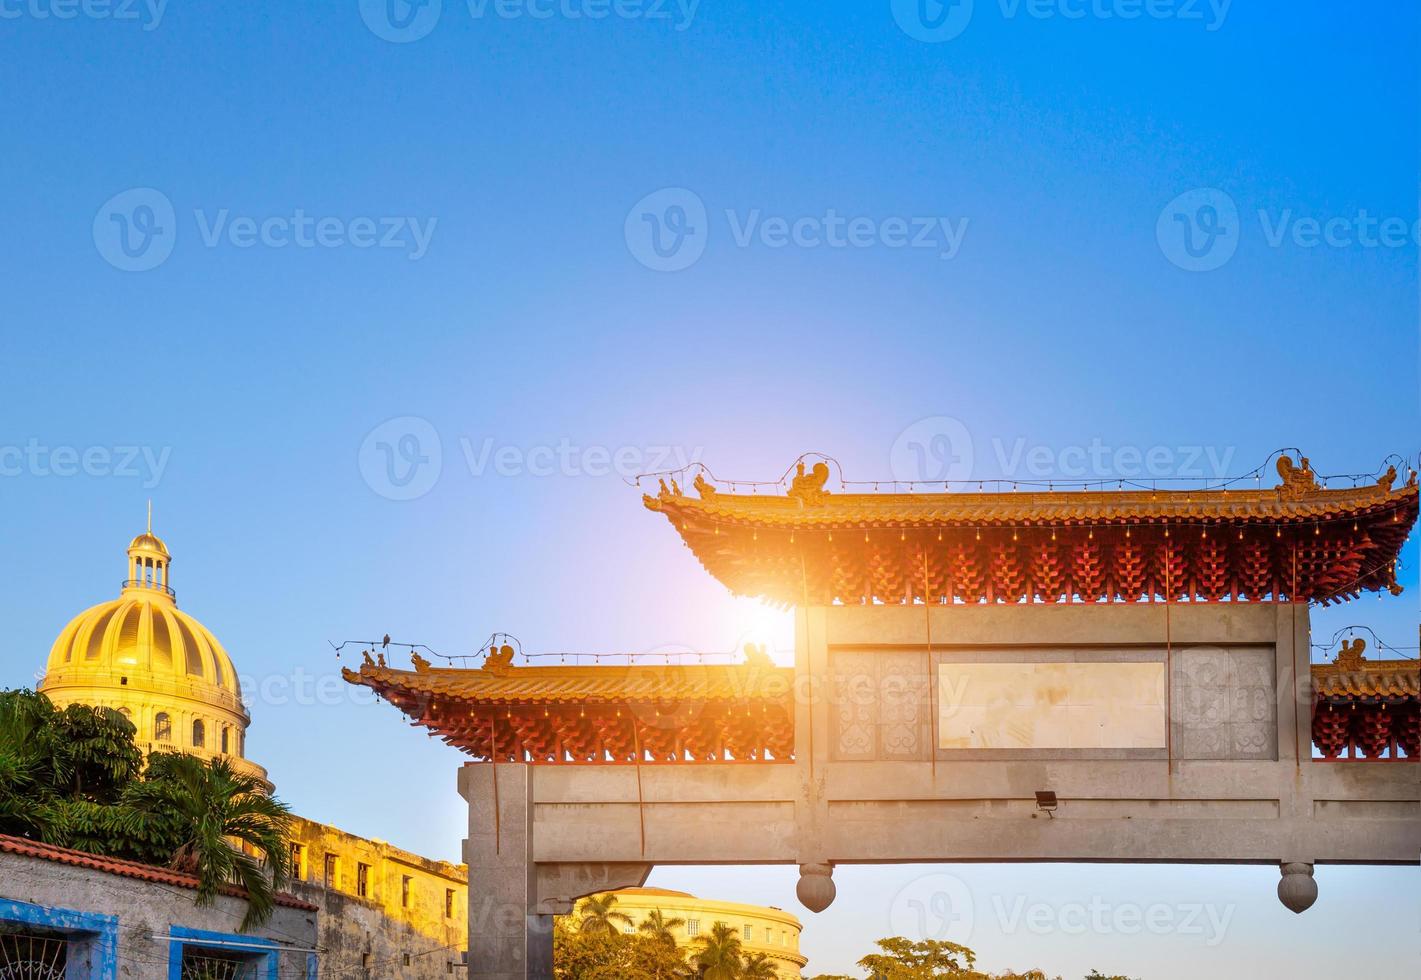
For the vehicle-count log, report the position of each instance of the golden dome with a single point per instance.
(145, 634)
(149, 542)
(158, 665)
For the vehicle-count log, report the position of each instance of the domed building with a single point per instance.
(156, 664)
(771, 932)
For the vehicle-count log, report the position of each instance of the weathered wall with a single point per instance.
(147, 911)
(387, 934)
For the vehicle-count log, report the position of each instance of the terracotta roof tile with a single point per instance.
(127, 869)
(697, 682)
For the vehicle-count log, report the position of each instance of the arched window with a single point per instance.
(162, 727)
(226, 734)
(199, 734)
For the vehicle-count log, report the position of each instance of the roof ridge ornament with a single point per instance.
(703, 486)
(500, 661)
(1298, 480)
(808, 488)
(1350, 656)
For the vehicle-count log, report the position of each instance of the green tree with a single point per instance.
(657, 926)
(72, 778)
(225, 828)
(651, 958)
(599, 915)
(612, 955)
(758, 966)
(903, 959)
(719, 956)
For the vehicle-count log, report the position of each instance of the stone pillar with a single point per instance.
(508, 939)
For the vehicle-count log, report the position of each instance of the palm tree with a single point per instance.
(216, 815)
(759, 966)
(719, 956)
(600, 915)
(657, 926)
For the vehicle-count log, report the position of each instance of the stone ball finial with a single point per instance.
(816, 889)
(1298, 889)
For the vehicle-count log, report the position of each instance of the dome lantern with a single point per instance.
(148, 560)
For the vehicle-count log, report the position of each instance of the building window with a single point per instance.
(362, 880)
(39, 941)
(199, 734)
(226, 736)
(197, 955)
(298, 861)
(405, 882)
(162, 727)
(330, 871)
(749, 932)
(693, 927)
(448, 903)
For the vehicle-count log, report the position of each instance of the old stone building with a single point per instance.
(84, 917)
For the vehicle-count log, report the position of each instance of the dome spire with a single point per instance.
(148, 561)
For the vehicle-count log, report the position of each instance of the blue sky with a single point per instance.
(249, 240)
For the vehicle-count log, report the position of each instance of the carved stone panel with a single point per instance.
(879, 707)
(1225, 703)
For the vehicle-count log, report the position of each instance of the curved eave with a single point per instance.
(580, 685)
(1389, 681)
(858, 510)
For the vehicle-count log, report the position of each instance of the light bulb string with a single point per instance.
(1001, 484)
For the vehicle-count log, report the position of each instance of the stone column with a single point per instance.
(508, 940)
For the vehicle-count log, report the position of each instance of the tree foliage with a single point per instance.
(903, 959)
(74, 778)
(605, 952)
